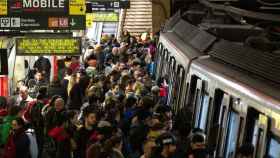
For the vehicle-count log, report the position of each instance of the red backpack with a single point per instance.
(10, 148)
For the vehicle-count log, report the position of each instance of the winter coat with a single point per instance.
(18, 145)
(54, 119)
(75, 98)
(62, 141)
(82, 137)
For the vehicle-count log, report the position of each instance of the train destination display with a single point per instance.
(48, 46)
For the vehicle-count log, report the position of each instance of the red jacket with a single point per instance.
(10, 148)
(59, 134)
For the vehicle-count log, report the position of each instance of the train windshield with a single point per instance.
(273, 147)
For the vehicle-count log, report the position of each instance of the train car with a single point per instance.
(230, 90)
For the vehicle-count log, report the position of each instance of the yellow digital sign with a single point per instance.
(48, 46)
(77, 7)
(3, 7)
(103, 16)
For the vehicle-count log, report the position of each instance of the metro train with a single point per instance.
(233, 99)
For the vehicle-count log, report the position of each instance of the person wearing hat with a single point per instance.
(198, 146)
(165, 146)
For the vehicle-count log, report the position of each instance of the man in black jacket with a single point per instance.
(82, 136)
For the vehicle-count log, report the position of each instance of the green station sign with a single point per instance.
(48, 46)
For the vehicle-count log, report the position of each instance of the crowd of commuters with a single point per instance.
(105, 104)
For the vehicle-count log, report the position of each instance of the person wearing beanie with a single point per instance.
(165, 146)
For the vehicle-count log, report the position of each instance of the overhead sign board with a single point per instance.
(42, 22)
(3, 7)
(104, 16)
(77, 7)
(48, 46)
(97, 5)
(42, 14)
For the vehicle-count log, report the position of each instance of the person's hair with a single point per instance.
(111, 143)
(3, 102)
(42, 93)
(53, 99)
(147, 102)
(130, 101)
(71, 113)
(90, 110)
(69, 71)
(14, 110)
(246, 149)
(31, 83)
(198, 138)
(20, 121)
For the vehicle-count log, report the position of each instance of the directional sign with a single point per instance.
(89, 20)
(77, 7)
(3, 7)
(43, 23)
(108, 4)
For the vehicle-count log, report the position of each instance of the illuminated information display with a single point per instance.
(48, 46)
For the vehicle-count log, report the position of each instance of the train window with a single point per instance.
(215, 112)
(172, 65)
(204, 112)
(232, 134)
(256, 129)
(181, 78)
(192, 90)
(273, 149)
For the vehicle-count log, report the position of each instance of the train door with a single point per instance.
(165, 68)
(223, 119)
(159, 55)
(273, 137)
(259, 137)
(225, 124)
(192, 92)
(162, 62)
(180, 76)
(202, 106)
(231, 126)
(256, 131)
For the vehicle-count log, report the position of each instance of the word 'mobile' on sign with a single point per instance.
(48, 46)
(41, 7)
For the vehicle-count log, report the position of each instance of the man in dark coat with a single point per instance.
(18, 142)
(83, 134)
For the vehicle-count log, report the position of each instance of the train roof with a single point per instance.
(261, 90)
